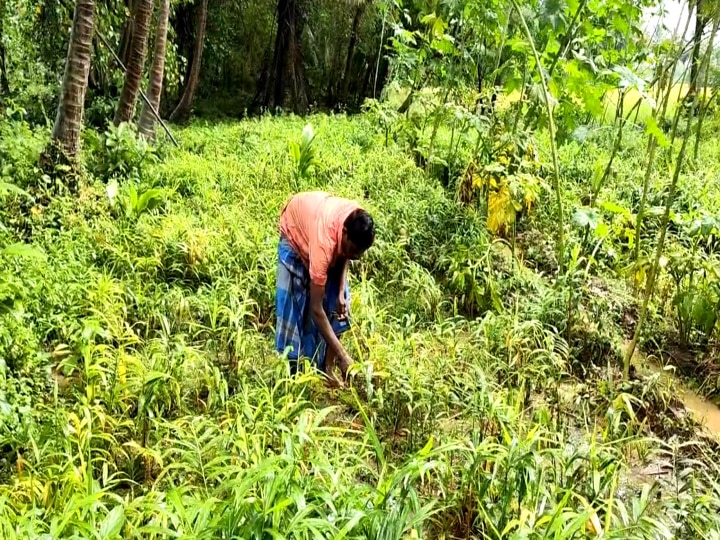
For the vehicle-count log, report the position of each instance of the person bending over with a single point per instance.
(319, 235)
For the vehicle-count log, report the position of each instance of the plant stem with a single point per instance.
(652, 145)
(663, 232)
(553, 144)
(616, 146)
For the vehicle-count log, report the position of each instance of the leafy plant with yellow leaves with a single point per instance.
(508, 184)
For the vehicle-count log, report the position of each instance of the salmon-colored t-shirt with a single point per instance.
(313, 224)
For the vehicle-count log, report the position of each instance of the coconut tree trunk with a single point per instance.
(127, 32)
(68, 121)
(146, 125)
(351, 50)
(136, 62)
(184, 107)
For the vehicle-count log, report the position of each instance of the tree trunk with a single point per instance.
(183, 23)
(697, 43)
(184, 107)
(287, 62)
(4, 84)
(286, 10)
(369, 68)
(705, 104)
(333, 73)
(68, 122)
(351, 51)
(146, 125)
(127, 32)
(136, 63)
(298, 79)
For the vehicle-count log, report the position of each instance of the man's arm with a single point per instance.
(343, 276)
(342, 301)
(317, 293)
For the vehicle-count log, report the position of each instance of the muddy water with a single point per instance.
(705, 412)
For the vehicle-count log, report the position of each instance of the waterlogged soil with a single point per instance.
(705, 412)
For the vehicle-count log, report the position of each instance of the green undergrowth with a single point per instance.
(140, 395)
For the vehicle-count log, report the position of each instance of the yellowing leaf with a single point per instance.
(122, 370)
(501, 210)
(594, 526)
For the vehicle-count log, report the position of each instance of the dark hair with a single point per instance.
(360, 229)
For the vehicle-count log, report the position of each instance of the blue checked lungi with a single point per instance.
(296, 328)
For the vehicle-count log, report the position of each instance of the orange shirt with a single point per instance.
(313, 223)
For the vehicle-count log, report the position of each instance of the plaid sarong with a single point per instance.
(296, 328)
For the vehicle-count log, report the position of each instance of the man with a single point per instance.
(319, 235)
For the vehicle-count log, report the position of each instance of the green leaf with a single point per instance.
(7, 187)
(586, 217)
(113, 523)
(23, 250)
(444, 45)
(628, 79)
(553, 46)
(518, 45)
(580, 134)
(429, 19)
(652, 129)
(151, 199)
(295, 151)
(615, 208)
(602, 230)
(427, 448)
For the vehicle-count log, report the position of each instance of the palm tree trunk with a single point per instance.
(351, 51)
(136, 63)
(182, 111)
(68, 121)
(146, 125)
(127, 33)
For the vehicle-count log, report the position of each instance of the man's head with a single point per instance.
(358, 234)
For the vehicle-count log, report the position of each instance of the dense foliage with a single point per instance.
(141, 396)
(544, 177)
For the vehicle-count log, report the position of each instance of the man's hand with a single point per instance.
(317, 293)
(344, 362)
(342, 308)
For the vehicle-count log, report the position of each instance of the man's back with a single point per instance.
(312, 222)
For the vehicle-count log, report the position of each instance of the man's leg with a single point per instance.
(286, 327)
